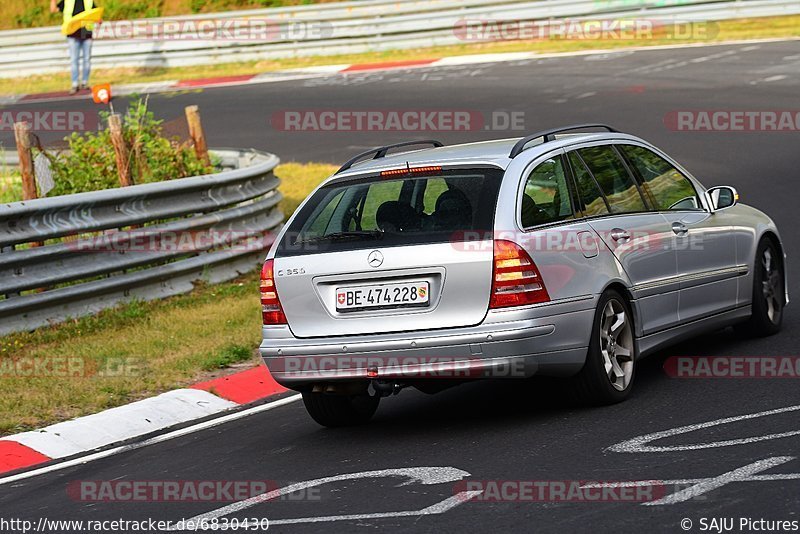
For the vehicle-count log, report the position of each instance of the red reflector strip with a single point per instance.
(415, 170)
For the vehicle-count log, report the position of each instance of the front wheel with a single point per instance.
(340, 410)
(769, 295)
(608, 374)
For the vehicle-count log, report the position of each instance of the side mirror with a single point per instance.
(722, 197)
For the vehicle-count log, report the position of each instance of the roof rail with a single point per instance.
(550, 135)
(380, 152)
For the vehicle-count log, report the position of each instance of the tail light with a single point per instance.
(271, 310)
(516, 280)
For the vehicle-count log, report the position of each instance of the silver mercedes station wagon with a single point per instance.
(560, 253)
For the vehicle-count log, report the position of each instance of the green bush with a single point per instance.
(91, 165)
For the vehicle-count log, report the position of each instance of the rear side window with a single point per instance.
(667, 188)
(592, 201)
(378, 212)
(546, 197)
(614, 179)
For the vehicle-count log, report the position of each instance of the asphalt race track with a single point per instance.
(504, 430)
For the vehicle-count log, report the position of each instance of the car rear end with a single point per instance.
(394, 278)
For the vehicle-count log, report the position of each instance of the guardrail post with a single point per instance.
(197, 134)
(22, 134)
(120, 150)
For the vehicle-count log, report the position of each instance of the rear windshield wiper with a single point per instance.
(356, 235)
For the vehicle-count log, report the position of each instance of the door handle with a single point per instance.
(618, 234)
(679, 228)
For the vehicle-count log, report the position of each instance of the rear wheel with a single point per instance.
(768, 292)
(340, 410)
(608, 374)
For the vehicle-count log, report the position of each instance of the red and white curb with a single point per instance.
(137, 419)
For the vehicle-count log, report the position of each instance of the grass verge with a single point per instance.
(756, 28)
(139, 349)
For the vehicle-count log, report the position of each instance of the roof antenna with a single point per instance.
(408, 167)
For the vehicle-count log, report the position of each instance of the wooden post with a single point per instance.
(196, 133)
(120, 150)
(22, 134)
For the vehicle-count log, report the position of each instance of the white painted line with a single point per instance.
(6, 100)
(640, 443)
(700, 486)
(472, 59)
(320, 69)
(143, 87)
(776, 78)
(280, 76)
(737, 475)
(438, 508)
(718, 55)
(152, 441)
(684, 481)
(421, 475)
(122, 423)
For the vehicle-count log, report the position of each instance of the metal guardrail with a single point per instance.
(353, 27)
(141, 242)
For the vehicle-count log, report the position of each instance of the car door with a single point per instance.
(637, 236)
(704, 242)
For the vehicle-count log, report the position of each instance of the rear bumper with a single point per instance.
(547, 339)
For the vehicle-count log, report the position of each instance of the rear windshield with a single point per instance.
(393, 211)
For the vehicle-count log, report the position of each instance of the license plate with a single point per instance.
(382, 296)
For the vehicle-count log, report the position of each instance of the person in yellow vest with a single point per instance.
(79, 38)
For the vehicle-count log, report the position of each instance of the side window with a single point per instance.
(668, 188)
(612, 176)
(546, 197)
(323, 219)
(591, 198)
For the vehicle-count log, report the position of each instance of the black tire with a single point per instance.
(769, 295)
(594, 384)
(340, 410)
